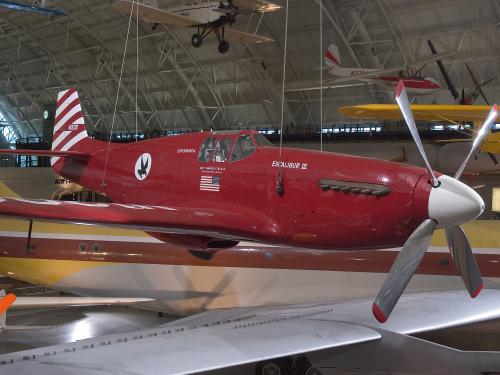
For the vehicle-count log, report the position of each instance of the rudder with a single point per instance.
(69, 128)
(332, 57)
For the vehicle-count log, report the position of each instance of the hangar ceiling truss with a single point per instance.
(181, 87)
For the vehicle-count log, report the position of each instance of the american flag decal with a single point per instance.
(210, 183)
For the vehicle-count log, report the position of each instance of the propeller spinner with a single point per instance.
(451, 203)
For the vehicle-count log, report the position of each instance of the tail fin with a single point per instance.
(69, 128)
(332, 57)
(70, 139)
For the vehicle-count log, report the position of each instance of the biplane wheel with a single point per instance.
(223, 47)
(196, 40)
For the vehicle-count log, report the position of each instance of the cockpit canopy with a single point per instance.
(231, 146)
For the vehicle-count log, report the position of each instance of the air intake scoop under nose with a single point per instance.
(454, 203)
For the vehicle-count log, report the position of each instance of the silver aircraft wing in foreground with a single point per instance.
(223, 338)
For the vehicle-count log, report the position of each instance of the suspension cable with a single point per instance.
(137, 75)
(321, 74)
(284, 78)
(103, 183)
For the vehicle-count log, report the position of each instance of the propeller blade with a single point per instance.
(446, 77)
(481, 135)
(402, 270)
(464, 259)
(404, 105)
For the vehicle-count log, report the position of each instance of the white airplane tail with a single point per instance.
(332, 56)
(332, 60)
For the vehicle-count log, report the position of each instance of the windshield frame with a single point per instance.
(252, 140)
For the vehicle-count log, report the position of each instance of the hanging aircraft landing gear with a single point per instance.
(217, 28)
(304, 367)
(223, 44)
(278, 366)
(286, 366)
(196, 40)
(223, 47)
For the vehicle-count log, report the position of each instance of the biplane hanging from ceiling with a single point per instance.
(206, 17)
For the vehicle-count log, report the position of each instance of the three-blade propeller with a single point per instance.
(451, 203)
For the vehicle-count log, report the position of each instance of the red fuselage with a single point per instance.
(329, 201)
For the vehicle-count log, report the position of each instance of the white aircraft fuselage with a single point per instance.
(201, 12)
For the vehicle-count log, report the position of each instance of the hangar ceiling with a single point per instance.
(180, 87)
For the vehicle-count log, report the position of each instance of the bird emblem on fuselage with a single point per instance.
(143, 166)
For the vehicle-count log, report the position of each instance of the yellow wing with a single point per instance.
(492, 144)
(427, 112)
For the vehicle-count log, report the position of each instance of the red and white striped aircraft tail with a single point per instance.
(69, 125)
(70, 139)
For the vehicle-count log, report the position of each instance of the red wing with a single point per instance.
(224, 221)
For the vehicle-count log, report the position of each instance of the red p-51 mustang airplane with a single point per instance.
(207, 191)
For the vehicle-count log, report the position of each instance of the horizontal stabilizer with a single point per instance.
(61, 154)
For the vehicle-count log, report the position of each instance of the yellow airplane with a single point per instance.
(450, 113)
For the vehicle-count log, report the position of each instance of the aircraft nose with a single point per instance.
(454, 203)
